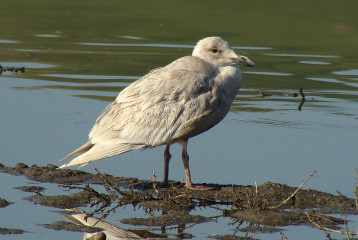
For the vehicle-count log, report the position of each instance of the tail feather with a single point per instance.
(84, 148)
(99, 151)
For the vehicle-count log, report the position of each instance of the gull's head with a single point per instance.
(219, 53)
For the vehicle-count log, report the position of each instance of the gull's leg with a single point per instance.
(185, 157)
(167, 157)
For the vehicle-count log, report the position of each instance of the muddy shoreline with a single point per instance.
(251, 204)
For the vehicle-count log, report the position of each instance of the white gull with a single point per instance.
(168, 105)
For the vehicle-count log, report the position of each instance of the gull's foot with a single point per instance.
(200, 188)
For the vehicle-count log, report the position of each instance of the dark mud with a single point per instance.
(268, 193)
(259, 206)
(51, 174)
(63, 201)
(4, 203)
(6, 231)
(35, 189)
(172, 218)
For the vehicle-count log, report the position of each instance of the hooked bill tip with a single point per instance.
(246, 61)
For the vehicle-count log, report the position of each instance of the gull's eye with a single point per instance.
(214, 50)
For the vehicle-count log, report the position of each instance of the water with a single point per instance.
(79, 55)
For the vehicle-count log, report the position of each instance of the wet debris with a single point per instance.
(278, 218)
(266, 206)
(149, 193)
(12, 69)
(35, 189)
(6, 231)
(4, 203)
(63, 201)
(292, 94)
(51, 174)
(263, 93)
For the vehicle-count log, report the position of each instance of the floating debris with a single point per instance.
(292, 94)
(11, 69)
(262, 93)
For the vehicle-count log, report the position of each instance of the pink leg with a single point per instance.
(167, 157)
(185, 157)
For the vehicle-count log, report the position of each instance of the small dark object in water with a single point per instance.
(12, 69)
(292, 94)
(302, 95)
(303, 99)
(263, 93)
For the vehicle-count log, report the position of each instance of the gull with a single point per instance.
(168, 105)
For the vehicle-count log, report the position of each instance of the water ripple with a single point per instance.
(160, 45)
(347, 72)
(47, 35)
(27, 64)
(330, 80)
(300, 55)
(7, 41)
(314, 62)
(81, 76)
(270, 73)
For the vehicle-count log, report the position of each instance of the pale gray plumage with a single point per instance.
(169, 104)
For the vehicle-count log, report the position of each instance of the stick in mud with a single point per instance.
(294, 193)
(320, 226)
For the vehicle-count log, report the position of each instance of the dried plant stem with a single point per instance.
(283, 237)
(302, 94)
(320, 226)
(303, 99)
(294, 193)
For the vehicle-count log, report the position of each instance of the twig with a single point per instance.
(256, 194)
(249, 200)
(303, 99)
(283, 237)
(302, 95)
(346, 228)
(356, 193)
(294, 193)
(320, 226)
